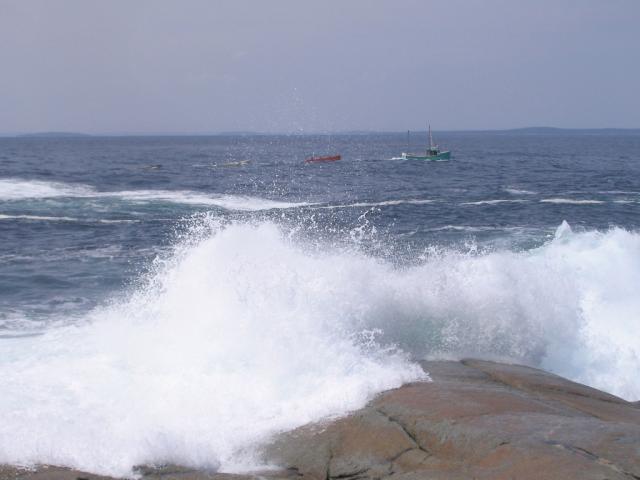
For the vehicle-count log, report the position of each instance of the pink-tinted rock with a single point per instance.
(477, 419)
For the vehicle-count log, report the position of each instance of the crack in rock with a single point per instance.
(592, 456)
(406, 431)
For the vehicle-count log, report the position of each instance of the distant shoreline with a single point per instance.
(512, 131)
(52, 135)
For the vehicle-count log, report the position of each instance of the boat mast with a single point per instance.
(430, 139)
(408, 150)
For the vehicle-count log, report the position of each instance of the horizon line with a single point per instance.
(70, 133)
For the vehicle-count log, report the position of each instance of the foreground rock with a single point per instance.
(477, 419)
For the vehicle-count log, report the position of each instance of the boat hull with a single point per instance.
(333, 158)
(442, 156)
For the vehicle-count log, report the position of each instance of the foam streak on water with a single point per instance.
(17, 189)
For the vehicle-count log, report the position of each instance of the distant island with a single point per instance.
(511, 131)
(54, 135)
(564, 131)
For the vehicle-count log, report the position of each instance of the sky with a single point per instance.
(196, 66)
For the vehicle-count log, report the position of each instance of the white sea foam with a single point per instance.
(44, 218)
(236, 337)
(17, 189)
(19, 324)
(619, 192)
(461, 228)
(519, 191)
(243, 332)
(228, 202)
(37, 217)
(494, 202)
(106, 220)
(572, 201)
(384, 203)
(475, 228)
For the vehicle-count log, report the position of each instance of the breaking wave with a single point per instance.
(246, 330)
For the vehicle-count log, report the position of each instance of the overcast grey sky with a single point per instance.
(292, 65)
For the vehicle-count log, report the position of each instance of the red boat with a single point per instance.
(333, 158)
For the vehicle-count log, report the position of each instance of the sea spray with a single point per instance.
(235, 337)
(569, 306)
(247, 329)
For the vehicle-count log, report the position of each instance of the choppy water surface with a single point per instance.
(145, 283)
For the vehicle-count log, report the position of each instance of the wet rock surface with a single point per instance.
(477, 419)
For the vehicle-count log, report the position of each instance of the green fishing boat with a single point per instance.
(433, 153)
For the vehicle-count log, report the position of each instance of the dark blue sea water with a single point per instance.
(81, 216)
(146, 267)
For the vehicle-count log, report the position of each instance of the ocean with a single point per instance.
(183, 299)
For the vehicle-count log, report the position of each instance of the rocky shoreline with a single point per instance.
(477, 419)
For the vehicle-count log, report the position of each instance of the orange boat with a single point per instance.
(332, 158)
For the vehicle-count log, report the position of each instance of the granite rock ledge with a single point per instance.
(476, 420)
